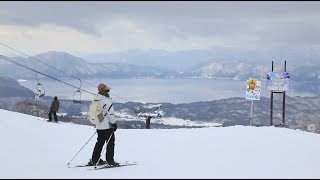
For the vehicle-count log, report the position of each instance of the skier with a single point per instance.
(53, 109)
(105, 129)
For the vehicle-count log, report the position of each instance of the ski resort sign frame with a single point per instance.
(278, 81)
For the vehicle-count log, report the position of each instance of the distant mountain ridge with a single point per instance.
(75, 66)
(11, 88)
(130, 66)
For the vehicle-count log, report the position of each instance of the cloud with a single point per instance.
(100, 27)
(46, 37)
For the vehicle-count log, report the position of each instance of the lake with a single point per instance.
(161, 90)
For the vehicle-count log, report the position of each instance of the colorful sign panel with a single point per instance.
(253, 89)
(278, 81)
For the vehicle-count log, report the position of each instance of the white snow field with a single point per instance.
(34, 148)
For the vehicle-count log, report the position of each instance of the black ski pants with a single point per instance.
(103, 136)
(54, 115)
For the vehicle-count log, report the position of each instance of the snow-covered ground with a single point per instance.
(34, 148)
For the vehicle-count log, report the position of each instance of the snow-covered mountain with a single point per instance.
(75, 66)
(188, 59)
(163, 64)
(174, 61)
(242, 71)
(34, 148)
(11, 88)
(231, 70)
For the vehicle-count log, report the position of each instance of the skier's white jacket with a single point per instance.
(108, 112)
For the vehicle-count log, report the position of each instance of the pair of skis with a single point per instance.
(106, 166)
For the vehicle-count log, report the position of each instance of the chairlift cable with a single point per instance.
(31, 69)
(56, 68)
(27, 67)
(119, 97)
(38, 60)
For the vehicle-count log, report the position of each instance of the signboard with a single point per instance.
(278, 81)
(253, 89)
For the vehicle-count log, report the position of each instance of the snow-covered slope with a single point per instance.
(34, 148)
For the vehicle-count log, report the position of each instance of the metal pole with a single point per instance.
(251, 112)
(148, 122)
(271, 104)
(271, 110)
(284, 99)
(81, 148)
(283, 108)
(39, 110)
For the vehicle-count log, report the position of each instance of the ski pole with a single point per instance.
(104, 149)
(81, 148)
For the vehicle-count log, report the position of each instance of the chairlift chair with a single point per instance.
(159, 112)
(138, 109)
(77, 97)
(40, 88)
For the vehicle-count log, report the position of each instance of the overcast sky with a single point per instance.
(110, 26)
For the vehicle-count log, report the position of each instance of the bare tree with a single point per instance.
(31, 108)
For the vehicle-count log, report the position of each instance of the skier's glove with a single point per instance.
(114, 127)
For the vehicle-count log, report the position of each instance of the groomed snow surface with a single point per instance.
(34, 148)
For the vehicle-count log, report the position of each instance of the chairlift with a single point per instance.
(77, 95)
(150, 112)
(143, 111)
(40, 88)
(159, 112)
(138, 109)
